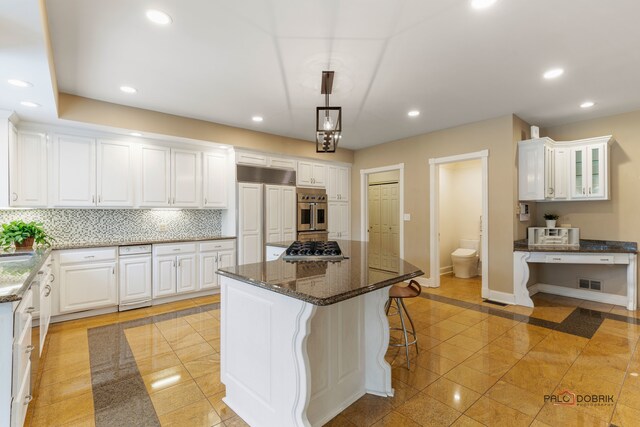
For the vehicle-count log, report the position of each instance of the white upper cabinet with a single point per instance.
(553, 171)
(311, 174)
(215, 184)
(248, 158)
(155, 176)
(115, 174)
(282, 163)
(339, 221)
(28, 166)
(280, 213)
(185, 178)
(338, 183)
(74, 171)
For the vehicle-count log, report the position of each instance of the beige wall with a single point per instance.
(496, 135)
(91, 111)
(382, 177)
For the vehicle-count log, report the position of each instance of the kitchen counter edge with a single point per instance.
(138, 242)
(586, 246)
(17, 295)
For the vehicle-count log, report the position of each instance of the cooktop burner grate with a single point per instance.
(313, 251)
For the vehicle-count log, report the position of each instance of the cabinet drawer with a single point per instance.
(23, 313)
(21, 399)
(251, 159)
(22, 349)
(579, 259)
(89, 255)
(174, 249)
(217, 245)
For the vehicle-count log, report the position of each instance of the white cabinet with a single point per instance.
(134, 279)
(155, 176)
(311, 174)
(46, 277)
(589, 172)
(274, 252)
(338, 183)
(21, 367)
(213, 256)
(28, 168)
(215, 183)
(74, 171)
(115, 174)
(561, 159)
(174, 269)
(535, 169)
(339, 221)
(280, 213)
(249, 223)
(185, 178)
(248, 158)
(282, 163)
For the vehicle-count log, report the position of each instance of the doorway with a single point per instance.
(436, 201)
(381, 221)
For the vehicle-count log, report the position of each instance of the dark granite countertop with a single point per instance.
(285, 244)
(105, 243)
(587, 246)
(323, 283)
(18, 270)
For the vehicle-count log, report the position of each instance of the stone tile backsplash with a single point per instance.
(86, 226)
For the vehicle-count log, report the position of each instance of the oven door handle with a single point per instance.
(312, 216)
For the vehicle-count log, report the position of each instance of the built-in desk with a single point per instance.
(598, 252)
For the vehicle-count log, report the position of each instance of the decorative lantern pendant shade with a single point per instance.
(328, 119)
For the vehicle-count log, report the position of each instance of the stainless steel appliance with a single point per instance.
(312, 214)
(313, 251)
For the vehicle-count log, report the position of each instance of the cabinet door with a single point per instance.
(185, 181)
(344, 183)
(345, 221)
(319, 174)
(226, 259)
(164, 275)
(187, 274)
(549, 173)
(87, 286)
(273, 214)
(561, 173)
(531, 171)
(596, 185)
(115, 174)
(578, 173)
(334, 221)
(155, 190)
(249, 223)
(332, 183)
(208, 267)
(289, 220)
(74, 171)
(135, 279)
(280, 163)
(28, 167)
(215, 181)
(304, 175)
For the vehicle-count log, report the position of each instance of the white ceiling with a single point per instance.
(225, 61)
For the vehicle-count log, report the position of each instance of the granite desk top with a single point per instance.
(124, 242)
(586, 246)
(323, 283)
(18, 270)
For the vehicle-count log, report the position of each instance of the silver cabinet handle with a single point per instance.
(30, 310)
(98, 199)
(113, 271)
(174, 201)
(40, 272)
(169, 201)
(176, 250)
(589, 190)
(205, 200)
(93, 199)
(174, 264)
(14, 196)
(27, 399)
(29, 349)
(180, 263)
(52, 278)
(583, 192)
(48, 288)
(89, 256)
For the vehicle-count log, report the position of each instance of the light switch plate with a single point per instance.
(407, 217)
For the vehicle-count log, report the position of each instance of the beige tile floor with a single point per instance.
(473, 369)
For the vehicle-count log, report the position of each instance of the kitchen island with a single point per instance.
(302, 341)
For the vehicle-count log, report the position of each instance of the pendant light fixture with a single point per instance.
(328, 119)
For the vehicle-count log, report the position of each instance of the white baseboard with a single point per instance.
(180, 297)
(502, 297)
(578, 293)
(446, 270)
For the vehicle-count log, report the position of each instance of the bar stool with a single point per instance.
(396, 295)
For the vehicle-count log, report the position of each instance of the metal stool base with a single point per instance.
(400, 309)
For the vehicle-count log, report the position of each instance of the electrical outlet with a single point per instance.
(163, 227)
(407, 217)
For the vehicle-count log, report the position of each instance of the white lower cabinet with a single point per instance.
(134, 279)
(174, 269)
(164, 275)
(186, 274)
(213, 256)
(21, 366)
(339, 221)
(88, 286)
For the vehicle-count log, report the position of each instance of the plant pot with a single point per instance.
(551, 223)
(26, 244)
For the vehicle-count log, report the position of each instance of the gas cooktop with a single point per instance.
(313, 251)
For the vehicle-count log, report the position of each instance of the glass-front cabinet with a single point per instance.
(588, 174)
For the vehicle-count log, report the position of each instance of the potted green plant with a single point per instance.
(551, 219)
(23, 235)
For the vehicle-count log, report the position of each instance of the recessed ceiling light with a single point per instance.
(30, 104)
(482, 4)
(128, 89)
(19, 83)
(553, 73)
(587, 104)
(413, 113)
(158, 17)
(257, 119)
(135, 134)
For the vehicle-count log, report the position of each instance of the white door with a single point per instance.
(74, 171)
(343, 183)
(389, 226)
(374, 225)
(273, 213)
(289, 220)
(187, 274)
(332, 183)
(155, 173)
(135, 278)
(87, 286)
(215, 181)
(249, 223)
(28, 167)
(304, 174)
(579, 180)
(208, 267)
(561, 175)
(185, 181)
(597, 186)
(343, 221)
(225, 259)
(115, 174)
(319, 174)
(164, 275)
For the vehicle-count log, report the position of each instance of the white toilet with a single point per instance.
(465, 259)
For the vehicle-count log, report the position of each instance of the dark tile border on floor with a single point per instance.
(120, 397)
(581, 322)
